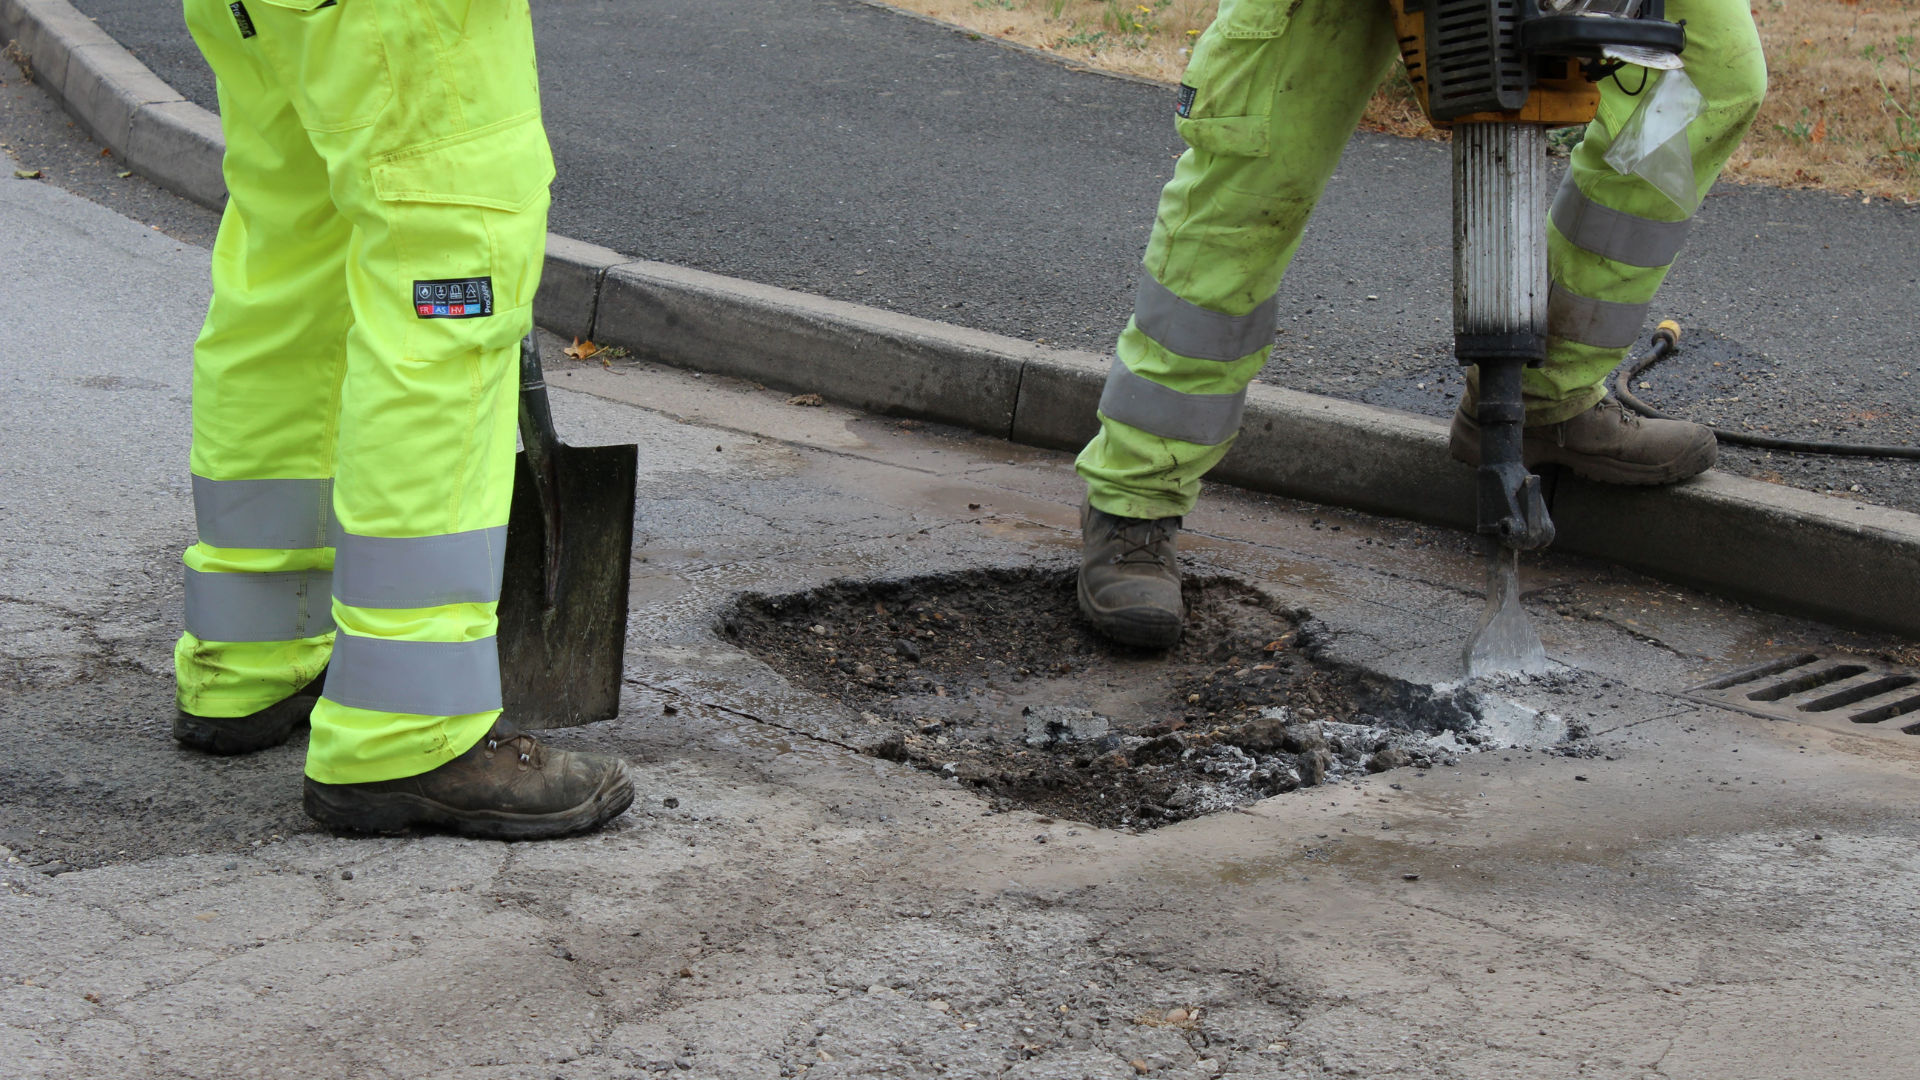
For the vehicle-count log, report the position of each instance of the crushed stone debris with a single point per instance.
(992, 679)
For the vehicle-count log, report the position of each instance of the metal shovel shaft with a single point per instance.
(542, 447)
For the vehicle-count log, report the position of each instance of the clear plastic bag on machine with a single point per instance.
(1652, 144)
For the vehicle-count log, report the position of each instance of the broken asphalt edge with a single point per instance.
(1773, 546)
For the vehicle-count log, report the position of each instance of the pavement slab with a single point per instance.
(1693, 894)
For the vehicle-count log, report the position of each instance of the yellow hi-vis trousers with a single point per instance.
(1277, 89)
(354, 387)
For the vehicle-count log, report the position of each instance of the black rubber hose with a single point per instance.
(1665, 340)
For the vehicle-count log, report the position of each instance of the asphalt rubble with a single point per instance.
(1247, 706)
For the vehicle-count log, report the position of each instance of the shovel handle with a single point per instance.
(543, 451)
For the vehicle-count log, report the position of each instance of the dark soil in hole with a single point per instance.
(992, 677)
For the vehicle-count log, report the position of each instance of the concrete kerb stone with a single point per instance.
(106, 86)
(570, 285)
(875, 360)
(1344, 453)
(1058, 395)
(117, 99)
(179, 146)
(1774, 546)
(46, 32)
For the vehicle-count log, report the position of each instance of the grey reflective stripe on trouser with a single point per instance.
(1186, 329)
(1603, 324)
(419, 571)
(285, 606)
(428, 678)
(1615, 234)
(272, 514)
(1204, 419)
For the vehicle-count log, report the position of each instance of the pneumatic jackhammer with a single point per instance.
(1500, 73)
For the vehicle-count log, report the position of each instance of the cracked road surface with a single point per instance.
(1706, 895)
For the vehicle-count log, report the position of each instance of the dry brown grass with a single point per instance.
(1833, 119)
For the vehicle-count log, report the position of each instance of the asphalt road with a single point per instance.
(842, 149)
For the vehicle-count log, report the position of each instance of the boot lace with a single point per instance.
(1628, 418)
(1140, 539)
(1624, 416)
(525, 746)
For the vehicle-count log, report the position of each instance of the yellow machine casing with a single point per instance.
(1562, 100)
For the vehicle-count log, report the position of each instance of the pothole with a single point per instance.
(993, 679)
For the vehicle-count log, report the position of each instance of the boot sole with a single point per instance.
(1142, 627)
(339, 806)
(228, 737)
(1463, 443)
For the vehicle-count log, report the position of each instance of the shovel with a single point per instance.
(563, 597)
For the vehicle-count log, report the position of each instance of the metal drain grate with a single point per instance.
(1845, 693)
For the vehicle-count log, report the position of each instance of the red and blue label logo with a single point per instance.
(453, 298)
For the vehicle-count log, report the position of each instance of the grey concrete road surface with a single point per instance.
(840, 148)
(1699, 894)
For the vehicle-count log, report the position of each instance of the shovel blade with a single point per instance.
(560, 664)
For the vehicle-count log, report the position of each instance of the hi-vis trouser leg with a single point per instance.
(1277, 92)
(354, 386)
(1279, 89)
(1613, 237)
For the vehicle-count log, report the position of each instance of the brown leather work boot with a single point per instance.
(1129, 581)
(505, 787)
(1607, 443)
(271, 726)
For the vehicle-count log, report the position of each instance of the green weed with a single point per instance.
(1898, 98)
(1800, 132)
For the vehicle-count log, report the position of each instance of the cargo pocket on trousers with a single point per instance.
(1226, 96)
(335, 62)
(469, 217)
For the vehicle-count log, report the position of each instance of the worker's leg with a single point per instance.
(266, 383)
(428, 121)
(1273, 93)
(1611, 240)
(1277, 90)
(1614, 237)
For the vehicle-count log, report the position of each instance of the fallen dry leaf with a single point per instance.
(26, 174)
(811, 400)
(580, 350)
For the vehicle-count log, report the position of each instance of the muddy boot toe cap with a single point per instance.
(507, 786)
(1611, 445)
(1134, 611)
